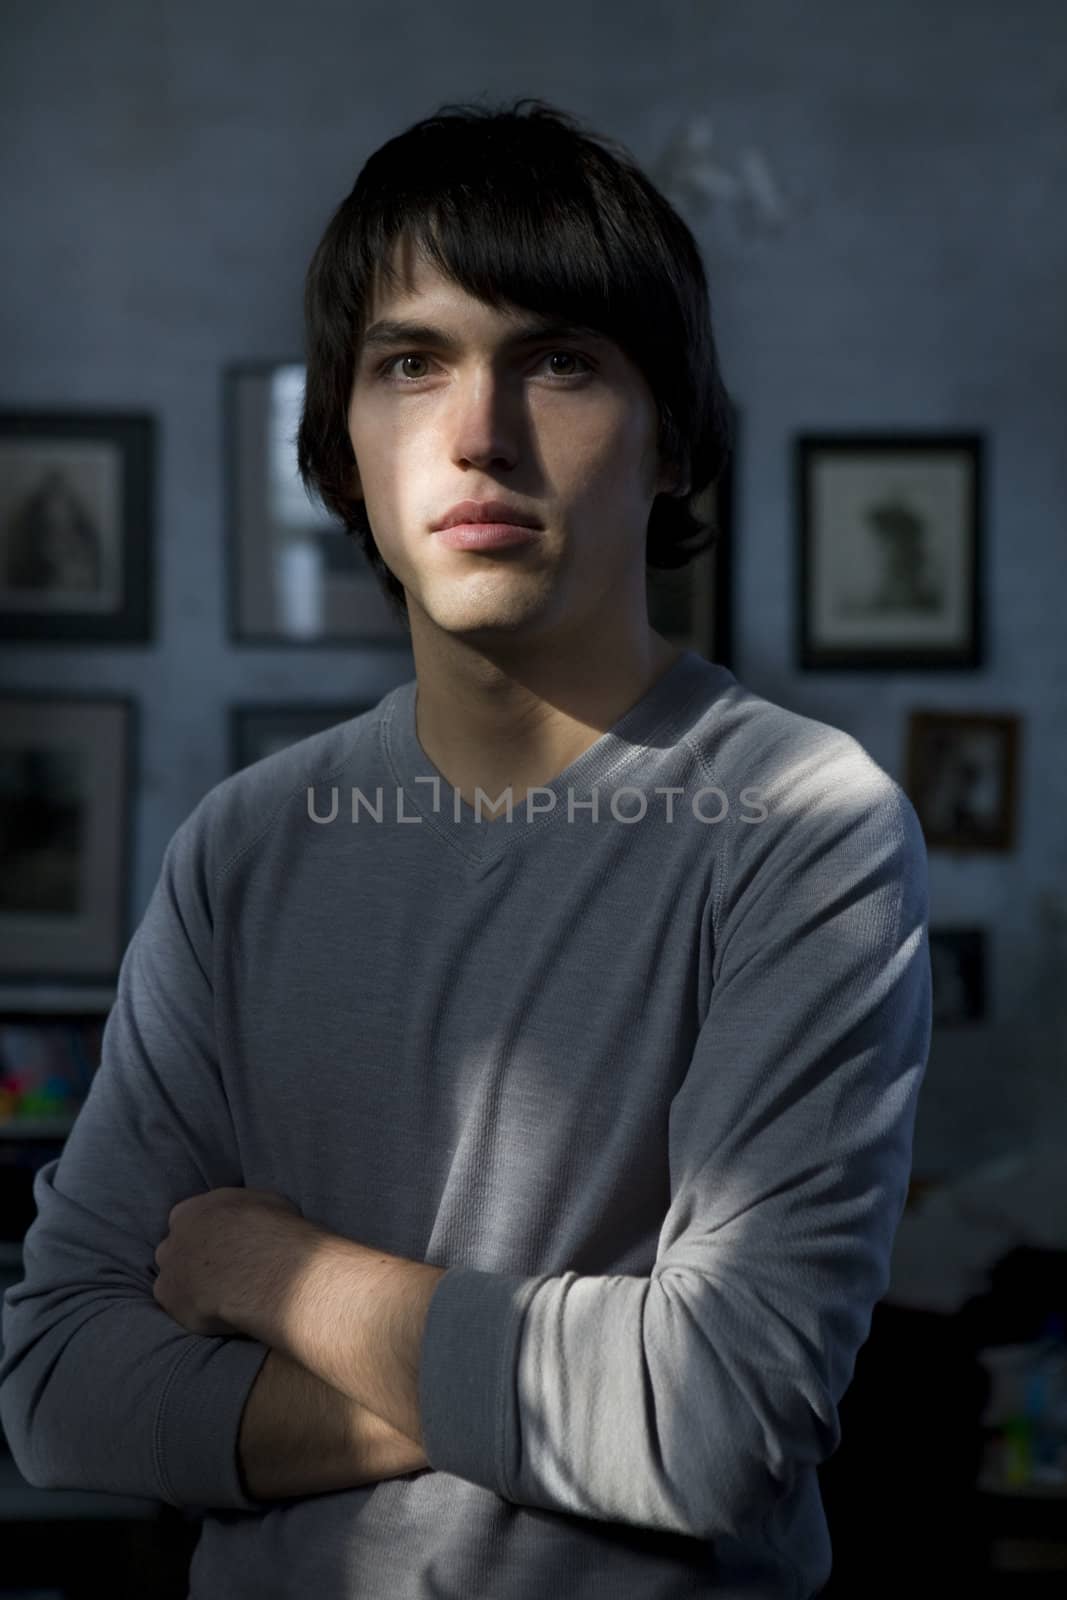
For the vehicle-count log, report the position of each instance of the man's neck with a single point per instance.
(499, 733)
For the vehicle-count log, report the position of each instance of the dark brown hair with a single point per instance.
(529, 211)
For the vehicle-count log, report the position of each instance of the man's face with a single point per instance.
(564, 427)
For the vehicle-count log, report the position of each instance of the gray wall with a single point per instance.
(166, 171)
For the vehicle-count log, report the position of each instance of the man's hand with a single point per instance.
(224, 1249)
(244, 1261)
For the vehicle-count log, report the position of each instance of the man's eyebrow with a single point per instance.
(388, 332)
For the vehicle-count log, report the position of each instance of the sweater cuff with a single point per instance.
(198, 1421)
(468, 1361)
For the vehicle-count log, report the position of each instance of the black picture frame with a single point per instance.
(889, 537)
(77, 527)
(67, 806)
(258, 730)
(294, 576)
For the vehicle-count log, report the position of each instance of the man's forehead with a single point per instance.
(423, 302)
(430, 296)
(411, 276)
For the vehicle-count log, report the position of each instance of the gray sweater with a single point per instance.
(642, 1078)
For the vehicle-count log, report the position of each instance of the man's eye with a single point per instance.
(386, 369)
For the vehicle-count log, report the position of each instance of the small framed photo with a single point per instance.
(958, 974)
(66, 806)
(257, 731)
(889, 532)
(295, 576)
(77, 527)
(692, 606)
(961, 776)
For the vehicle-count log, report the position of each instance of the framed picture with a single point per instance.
(692, 606)
(961, 777)
(76, 526)
(66, 806)
(295, 576)
(889, 550)
(958, 973)
(257, 731)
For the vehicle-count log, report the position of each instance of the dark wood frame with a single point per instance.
(1005, 723)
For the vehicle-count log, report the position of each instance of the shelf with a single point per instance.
(57, 999)
(36, 1127)
(1021, 1491)
(21, 1502)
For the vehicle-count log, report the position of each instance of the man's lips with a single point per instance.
(486, 535)
(491, 511)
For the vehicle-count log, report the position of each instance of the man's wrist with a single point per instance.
(356, 1318)
(299, 1436)
(352, 1315)
(260, 1302)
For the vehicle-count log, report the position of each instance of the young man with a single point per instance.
(506, 1111)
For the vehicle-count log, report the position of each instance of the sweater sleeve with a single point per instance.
(688, 1401)
(100, 1388)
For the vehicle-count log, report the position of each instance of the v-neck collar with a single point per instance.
(423, 790)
